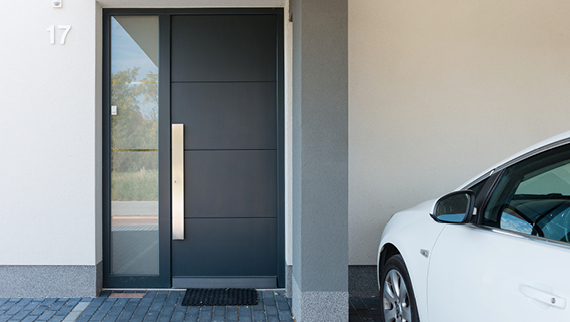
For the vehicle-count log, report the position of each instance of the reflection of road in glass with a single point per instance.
(134, 221)
(134, 208)
(134, 237)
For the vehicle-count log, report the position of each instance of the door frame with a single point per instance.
(164, 279)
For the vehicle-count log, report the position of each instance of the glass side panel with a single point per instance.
(134, 145)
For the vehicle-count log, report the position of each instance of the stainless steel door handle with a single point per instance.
(177, 181)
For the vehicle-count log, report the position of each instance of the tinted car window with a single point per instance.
(533, 197)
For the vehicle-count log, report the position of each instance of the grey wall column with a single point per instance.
(320, 160)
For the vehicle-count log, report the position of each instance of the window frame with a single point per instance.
(490, 188)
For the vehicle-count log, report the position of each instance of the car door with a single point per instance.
(513, 264)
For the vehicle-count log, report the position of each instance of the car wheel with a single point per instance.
(398, 301)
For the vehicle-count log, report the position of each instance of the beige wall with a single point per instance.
(440, 90)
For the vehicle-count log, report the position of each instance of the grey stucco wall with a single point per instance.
(320, 143)
(30, 281)
(320, 160)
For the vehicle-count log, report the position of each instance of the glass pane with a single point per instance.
(533, 197)
(134, 144)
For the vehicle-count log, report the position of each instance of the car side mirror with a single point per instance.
(455, 207)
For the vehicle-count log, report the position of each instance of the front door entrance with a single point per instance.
(220, 153)
(224, 93)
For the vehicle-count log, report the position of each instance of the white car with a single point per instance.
(496, 249)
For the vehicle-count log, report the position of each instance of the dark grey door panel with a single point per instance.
(226, 247)
(230, 184)
(226, 115)
(224, 48)
(224, 89)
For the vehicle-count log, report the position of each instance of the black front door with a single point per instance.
(218, 74)
(225, 92)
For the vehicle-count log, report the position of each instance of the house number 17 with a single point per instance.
(51, 30)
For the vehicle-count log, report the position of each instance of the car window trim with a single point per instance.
(486, 193)
(517, 160)
(492, 178)
(478, 180)
(496, 173)
(532, 153)
(517, 234)
(495, 177)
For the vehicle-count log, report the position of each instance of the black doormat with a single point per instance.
(220, 297)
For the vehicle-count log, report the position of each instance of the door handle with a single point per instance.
(177, 182)
(542, 296)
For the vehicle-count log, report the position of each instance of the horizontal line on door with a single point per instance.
(134, 150)
(230, 217)
(219, 82)
(197, 150)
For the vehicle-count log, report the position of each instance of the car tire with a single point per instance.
(397, 295)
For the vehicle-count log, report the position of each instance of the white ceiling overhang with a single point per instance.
(190, 3)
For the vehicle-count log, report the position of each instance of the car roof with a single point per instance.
(536, 148)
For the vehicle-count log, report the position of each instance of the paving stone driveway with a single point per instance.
(160, 306)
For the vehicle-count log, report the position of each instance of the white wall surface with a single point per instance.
(439, 91)
(190, 3)
(48, 150)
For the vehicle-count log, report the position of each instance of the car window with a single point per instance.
(533, 197)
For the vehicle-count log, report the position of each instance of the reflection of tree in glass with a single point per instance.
(136, 124)
(150, 91)
(134, 131)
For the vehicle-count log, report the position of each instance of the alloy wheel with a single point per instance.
(396, 298)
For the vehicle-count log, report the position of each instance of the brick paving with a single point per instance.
(165, 306)
(155, 306)
(37, 309)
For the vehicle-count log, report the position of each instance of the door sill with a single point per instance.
(225, 282)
